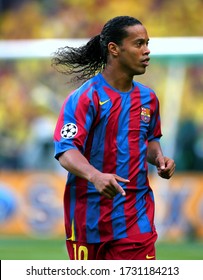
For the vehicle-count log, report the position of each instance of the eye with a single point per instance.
(139, 43)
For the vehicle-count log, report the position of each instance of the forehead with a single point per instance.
(135, 32)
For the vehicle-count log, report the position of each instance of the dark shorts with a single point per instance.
(143, 248)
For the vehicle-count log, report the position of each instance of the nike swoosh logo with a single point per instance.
(149, 257)
(103, 102)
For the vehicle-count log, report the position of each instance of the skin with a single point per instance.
(124, 61)
(127, 60)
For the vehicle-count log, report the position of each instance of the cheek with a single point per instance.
(131, 58)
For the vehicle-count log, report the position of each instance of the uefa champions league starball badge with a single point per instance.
(69, 130)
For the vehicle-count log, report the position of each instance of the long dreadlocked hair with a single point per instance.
(85, 61)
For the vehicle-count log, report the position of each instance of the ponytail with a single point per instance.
(84, 62)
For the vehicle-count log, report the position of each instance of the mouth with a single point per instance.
(145, 61)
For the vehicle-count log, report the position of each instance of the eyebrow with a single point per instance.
(142, 40)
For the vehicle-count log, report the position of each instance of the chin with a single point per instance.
(140, 72)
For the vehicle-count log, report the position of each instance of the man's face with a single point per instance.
(133, 54)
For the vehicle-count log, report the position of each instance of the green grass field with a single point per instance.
(21, 248)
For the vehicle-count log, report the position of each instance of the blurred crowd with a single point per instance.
(20, 19)
(31, 92)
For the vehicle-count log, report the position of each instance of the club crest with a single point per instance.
(145, 114)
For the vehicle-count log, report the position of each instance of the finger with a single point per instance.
(117, 186)
(168, 168)
(107, 195)
(166, 174)
(111, 190)
(119, 189)
(121, 179)
(170, 164)
(171, 170)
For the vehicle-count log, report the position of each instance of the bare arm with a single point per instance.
(165, 165)
(107, 184)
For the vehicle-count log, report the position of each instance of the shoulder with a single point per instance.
(144, 88)
(146, 92)
(87, 89)
(84, 97)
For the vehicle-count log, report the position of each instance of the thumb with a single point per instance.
(161, 163)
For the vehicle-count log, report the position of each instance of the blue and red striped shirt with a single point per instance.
(112, 130)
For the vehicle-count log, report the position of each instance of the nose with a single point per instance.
(147, 50)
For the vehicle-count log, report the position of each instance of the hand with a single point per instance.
(165, 167)
(107, 184)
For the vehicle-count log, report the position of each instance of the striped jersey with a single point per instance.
(112, 130)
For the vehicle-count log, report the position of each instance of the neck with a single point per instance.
(118, 80)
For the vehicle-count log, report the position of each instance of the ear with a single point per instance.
(113, 48)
